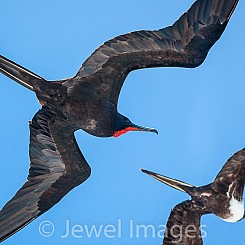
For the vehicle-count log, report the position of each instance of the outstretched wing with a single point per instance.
(57, 166)
(184, 44)
(183, 226)
(231, 178)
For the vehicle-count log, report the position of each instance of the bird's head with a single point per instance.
(124, 125)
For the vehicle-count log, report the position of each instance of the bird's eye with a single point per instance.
(126, 119)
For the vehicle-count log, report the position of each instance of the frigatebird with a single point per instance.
(89, 101)
(223, 197)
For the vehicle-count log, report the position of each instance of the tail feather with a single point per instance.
(177, 184)
(18, 73)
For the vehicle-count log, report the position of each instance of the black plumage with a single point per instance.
(89, 100)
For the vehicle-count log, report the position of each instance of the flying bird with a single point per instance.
(223, 197)
(88, 101)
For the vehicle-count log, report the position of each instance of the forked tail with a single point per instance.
(18, 73)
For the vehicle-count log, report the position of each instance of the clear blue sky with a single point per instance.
(199, 113)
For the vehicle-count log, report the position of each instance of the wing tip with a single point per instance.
(12, 232)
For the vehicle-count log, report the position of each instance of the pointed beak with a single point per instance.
(177, 184)
(144, 129)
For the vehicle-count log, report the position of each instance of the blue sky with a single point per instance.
(199, 114)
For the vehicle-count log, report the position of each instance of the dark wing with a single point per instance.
(57, 166)
(184, 44)
(231, 178)
(183, 226)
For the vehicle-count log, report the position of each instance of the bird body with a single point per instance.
(89, 100)
(223, 197)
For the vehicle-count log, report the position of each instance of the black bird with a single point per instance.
(223, 197)
(89, 100)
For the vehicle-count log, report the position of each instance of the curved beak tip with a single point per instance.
(155, 131)
(144, 129)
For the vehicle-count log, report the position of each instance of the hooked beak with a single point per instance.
(133, 127)
(177, 184)
(144, 129)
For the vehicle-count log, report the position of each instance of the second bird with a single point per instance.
(223, 197)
